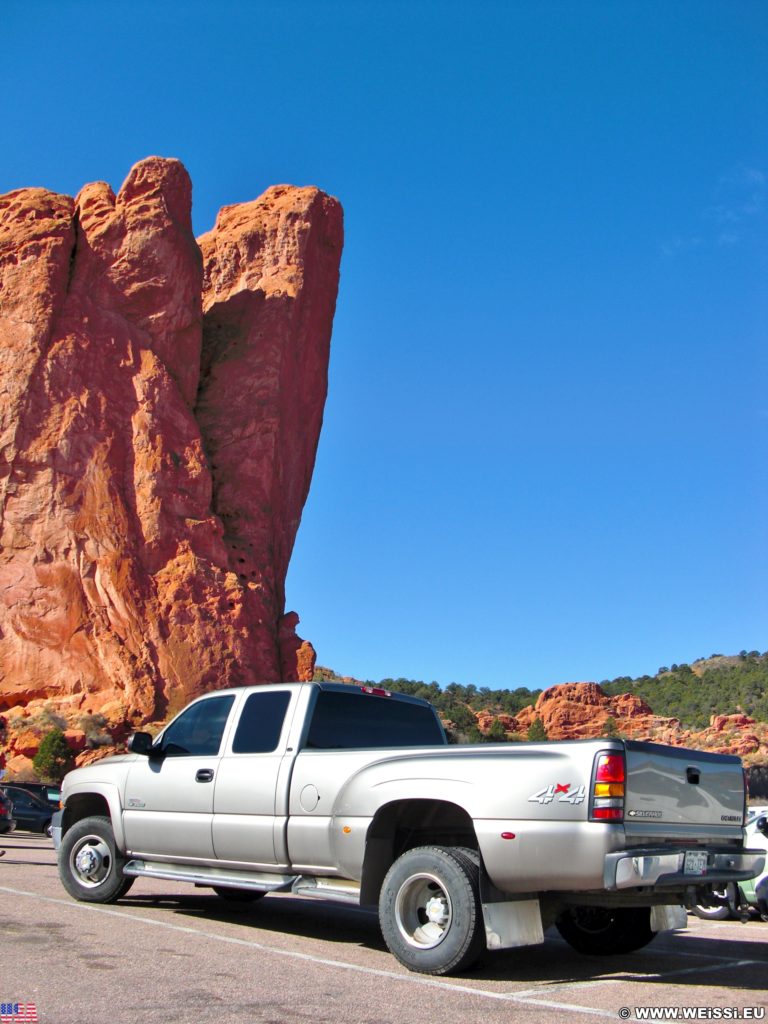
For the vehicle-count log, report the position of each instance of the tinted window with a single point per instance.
(199, 729)
(349, 720)
(21, 799)
(261, 722)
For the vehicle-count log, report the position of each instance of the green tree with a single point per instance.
(611, 728)
(496, 732)
(54, 758)
(536, 731)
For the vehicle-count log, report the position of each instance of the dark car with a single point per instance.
(31, 813)
(48, 791)
(7, 820)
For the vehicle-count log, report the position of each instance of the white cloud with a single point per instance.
(739, 200)
(740, 194)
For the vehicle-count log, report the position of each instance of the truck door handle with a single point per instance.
(693, 775)
(204, 775)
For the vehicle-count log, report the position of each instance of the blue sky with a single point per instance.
(544, 452)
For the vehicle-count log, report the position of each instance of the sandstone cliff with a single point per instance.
(160, 407)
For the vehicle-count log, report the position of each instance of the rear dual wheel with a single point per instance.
(430, 912)
(605, 931)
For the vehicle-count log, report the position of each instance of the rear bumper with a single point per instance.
(661, 868)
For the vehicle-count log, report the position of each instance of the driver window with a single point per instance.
(198, 730)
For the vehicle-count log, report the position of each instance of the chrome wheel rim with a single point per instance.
(90, 861)
(423, 911)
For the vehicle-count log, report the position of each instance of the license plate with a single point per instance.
(695, 863)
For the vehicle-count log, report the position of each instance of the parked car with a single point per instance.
(31, 813)
(733, 901)
(7, 820)
(48, 791)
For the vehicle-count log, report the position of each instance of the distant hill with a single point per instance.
(718, 685)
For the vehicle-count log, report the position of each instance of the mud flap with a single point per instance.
(514, 923)
(665, 918)
(509, 922)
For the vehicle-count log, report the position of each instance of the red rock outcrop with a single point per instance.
(719, 723)
(160, 407)
(269, 273)
(580, 710)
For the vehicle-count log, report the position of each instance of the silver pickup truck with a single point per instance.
(352, 793)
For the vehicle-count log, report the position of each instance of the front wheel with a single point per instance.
(430, 912)
(605, 931)
(90, 865)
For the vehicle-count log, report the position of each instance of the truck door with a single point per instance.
(168, 808)
(250, 802)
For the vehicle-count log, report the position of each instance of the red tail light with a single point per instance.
(608, 813)
(610, 768)
(609, 775)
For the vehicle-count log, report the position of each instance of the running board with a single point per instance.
(259, 881)
(340, 889)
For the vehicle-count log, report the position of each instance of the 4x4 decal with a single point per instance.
(561, 791)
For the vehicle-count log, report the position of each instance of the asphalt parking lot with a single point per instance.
(172, 953)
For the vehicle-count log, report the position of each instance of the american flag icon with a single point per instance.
(18, 1013)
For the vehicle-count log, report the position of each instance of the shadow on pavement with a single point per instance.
(551, 964)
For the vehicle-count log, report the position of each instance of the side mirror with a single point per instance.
(140, 743)
(762, 825)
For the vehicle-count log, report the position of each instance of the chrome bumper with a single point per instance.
(662, 867)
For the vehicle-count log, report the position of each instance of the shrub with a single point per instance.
(536, 731)
(54, 758)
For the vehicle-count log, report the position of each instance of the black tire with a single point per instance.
(47, 829)
(717, 913)
(237, 895)
(90, 865)
(430, 912)
(606, 931)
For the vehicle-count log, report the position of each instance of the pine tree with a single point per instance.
(536, 731)
(54, 758)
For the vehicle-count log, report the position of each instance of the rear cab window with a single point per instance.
(261, 722)
(357, 719)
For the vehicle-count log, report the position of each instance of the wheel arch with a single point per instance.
(97, 800)
(401, 825)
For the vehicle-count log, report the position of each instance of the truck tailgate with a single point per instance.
(676, 786)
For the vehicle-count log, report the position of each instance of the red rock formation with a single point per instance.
(580, 710)
(148, 511)
(720, 722)
(573, 710)
(485, 720)
(271, 274)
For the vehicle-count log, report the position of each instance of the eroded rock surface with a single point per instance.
(160, 407)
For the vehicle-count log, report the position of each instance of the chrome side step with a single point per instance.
(343, 890)
(259, 881)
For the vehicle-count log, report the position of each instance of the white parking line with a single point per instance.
(535, 997)
(409, 979)
(578, 986)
